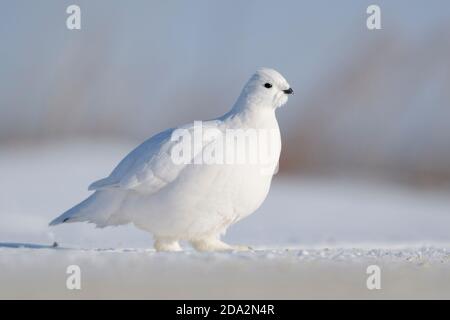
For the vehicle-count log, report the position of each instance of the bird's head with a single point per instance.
(266, 88)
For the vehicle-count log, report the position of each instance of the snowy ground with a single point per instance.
(290, 274)
(313, 238)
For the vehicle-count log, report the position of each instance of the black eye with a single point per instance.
(268, 85)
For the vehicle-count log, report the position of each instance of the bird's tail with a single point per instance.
(101, 208)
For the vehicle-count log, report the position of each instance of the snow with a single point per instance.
(312, 273)
(312, 238)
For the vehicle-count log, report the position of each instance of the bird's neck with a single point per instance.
(250, 113)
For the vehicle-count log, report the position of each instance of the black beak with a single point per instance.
(289, 91)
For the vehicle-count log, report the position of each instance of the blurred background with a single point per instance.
(366, 138)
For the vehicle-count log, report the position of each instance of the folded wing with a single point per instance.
(150, 167)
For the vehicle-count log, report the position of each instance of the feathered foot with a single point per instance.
(214, 244)
(164, 244)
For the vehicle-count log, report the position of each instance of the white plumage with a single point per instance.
(193, 201)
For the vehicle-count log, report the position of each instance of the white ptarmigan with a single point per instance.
(198, 198)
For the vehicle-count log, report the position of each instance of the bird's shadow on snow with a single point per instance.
(21, 245)
(189, 252)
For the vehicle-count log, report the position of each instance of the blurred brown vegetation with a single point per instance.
(386, 111)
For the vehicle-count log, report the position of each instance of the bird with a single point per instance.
(182, 185)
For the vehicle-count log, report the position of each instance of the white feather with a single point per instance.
(189, 201)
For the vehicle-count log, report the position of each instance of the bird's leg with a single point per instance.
(167, 244)
(215, 244)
